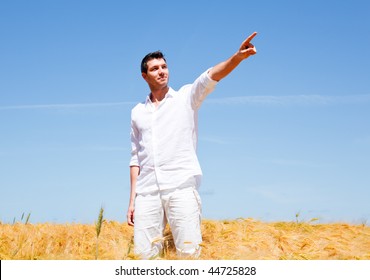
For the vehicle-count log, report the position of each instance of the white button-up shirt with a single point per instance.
(164, 138)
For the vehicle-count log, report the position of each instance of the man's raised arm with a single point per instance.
(224, 68)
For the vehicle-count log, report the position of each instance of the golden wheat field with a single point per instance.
(241, 239)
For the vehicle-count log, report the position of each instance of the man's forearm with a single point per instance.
(224, 68)
(134, 173)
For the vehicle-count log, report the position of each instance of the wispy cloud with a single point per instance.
(213, 140)
(283, 193)
(208, 192)
(50, 149)
(65, 106)
(288, 100)
(293, 162)
(273, 194)
(106, 148)
(284, 100)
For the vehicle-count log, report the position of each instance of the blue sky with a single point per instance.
(286, 133)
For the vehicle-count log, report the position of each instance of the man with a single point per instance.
(164, 169)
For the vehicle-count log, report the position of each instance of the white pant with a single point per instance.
(181, 207)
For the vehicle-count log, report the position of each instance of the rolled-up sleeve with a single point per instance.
(134, 161)
(201, 87)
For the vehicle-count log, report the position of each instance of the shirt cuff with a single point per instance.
(134, 161)
(213, 82)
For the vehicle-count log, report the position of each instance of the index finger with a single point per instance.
(250, 37)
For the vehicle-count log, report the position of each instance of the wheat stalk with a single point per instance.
(98, 230)
(28, 218)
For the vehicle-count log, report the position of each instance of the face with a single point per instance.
(157, 74)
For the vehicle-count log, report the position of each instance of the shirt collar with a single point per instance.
(170, 93)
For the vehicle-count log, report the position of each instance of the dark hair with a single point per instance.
(150, 56)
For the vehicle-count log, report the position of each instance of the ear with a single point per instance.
(144, 75)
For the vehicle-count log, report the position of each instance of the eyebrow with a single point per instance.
(157, 65)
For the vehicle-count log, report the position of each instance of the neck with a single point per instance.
(158, 95)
